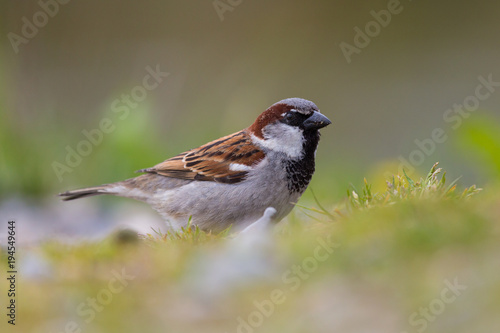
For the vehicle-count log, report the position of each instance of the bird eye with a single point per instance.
(293, 118)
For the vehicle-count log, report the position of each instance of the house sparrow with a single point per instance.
(232, 180)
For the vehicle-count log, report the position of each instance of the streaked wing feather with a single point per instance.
(211, 162)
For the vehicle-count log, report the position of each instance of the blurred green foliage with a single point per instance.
(29, 151)
(479, 138)
(23, 159)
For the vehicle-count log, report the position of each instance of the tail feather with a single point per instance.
(138, 188)
(84, 192)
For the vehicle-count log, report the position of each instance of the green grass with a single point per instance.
(394, 251)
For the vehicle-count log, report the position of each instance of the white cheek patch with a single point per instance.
(283, 138)
(239, 167)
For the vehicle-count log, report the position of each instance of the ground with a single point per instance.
(419, 257)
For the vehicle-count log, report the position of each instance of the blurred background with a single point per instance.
(91, 91)
(66, 67)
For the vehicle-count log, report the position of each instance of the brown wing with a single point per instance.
(225, 160)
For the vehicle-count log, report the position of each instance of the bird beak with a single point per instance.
(316, 121)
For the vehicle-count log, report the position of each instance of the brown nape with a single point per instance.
(269, 116)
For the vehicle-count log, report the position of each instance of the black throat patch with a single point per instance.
(299, 172)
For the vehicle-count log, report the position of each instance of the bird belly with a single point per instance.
(215, 206)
